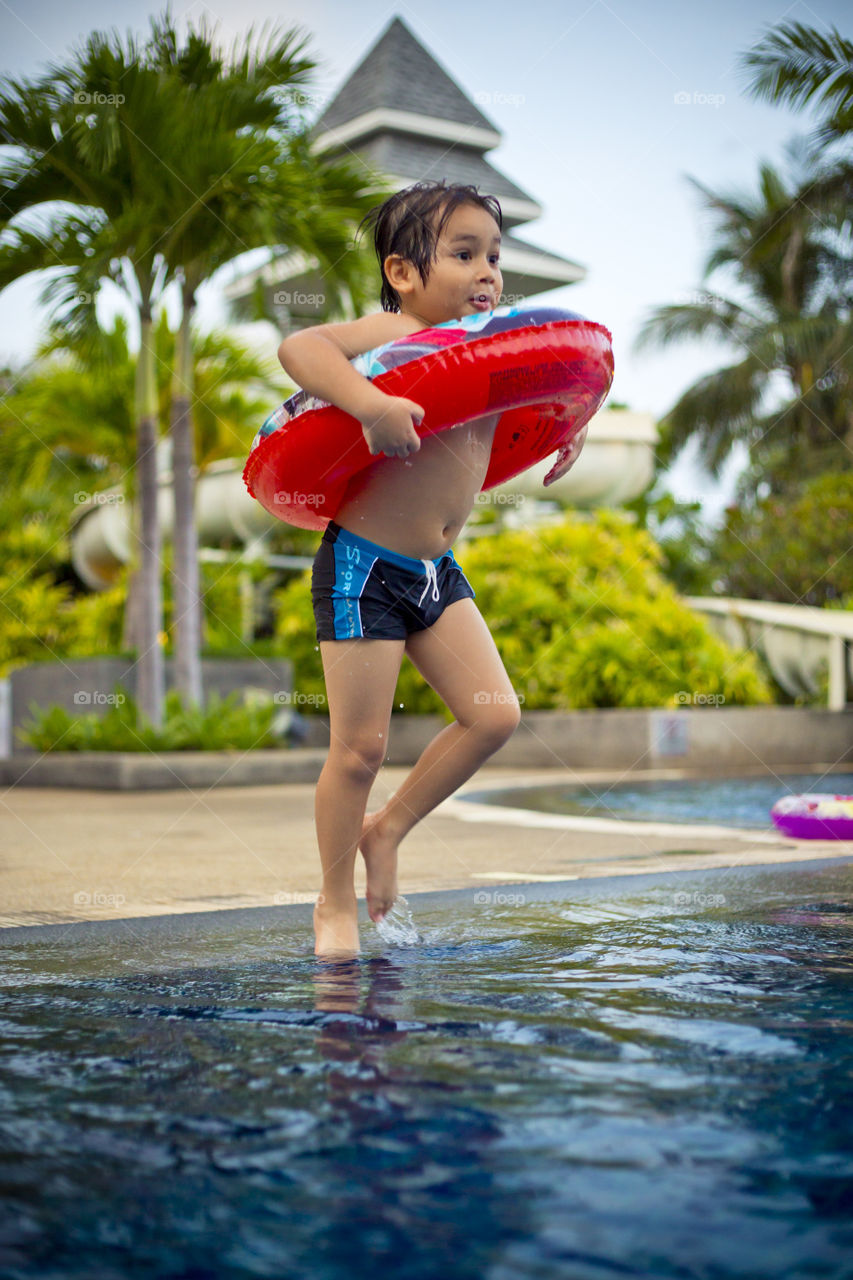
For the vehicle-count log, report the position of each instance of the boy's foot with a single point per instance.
(380, 858)
(336, 929)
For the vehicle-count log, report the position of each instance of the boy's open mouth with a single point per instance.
(481, 301)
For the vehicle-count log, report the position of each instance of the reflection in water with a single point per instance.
(649, 1082)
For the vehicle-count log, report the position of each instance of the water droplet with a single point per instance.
(397, 925)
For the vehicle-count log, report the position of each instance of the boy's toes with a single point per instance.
(378, 908)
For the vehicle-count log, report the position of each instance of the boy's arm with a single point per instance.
(318, 360)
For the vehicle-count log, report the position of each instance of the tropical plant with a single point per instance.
(788, 252)
(798, 66)
(72, 404)
(66, 426)
(232, 121)
(789, 395)
(149, 146)
(796, 552)
(682, 538)
(582, 617)
(225, 724)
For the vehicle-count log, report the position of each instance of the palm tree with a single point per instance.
(789, 251)
(66, 429)
(233, 117)
(148, 145)
(787, 396)
(68, 414)
(70, 146)
(799, 66)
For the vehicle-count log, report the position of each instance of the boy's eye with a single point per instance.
(494, 258)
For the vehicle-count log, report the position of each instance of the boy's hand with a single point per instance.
(389, 429)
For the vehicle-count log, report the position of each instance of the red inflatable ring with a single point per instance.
(545, 371)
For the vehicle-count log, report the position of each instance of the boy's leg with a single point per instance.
(361, 676)
(458, 657)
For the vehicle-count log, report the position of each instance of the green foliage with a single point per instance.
(582, 617)
(683, 540)
(789, 395)
(65, 431)
(800, 66)
(795, 551)
(224, 724)
(41, 615)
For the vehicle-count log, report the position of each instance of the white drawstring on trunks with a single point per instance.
(432, 578)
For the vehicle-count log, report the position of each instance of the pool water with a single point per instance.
(731, 802)
(649, 1076)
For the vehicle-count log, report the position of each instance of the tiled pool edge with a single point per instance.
(301, 913)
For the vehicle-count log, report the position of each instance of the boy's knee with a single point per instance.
(497, 722)
(362, 757)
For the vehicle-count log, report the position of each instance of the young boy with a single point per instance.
(385, 581)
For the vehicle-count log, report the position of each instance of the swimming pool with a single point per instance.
(737, 802)
(642, 1076)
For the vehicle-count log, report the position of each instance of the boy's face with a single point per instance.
(463, 279)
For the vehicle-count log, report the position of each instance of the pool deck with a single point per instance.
(74, 855)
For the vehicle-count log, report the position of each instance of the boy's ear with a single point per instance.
(399, 273)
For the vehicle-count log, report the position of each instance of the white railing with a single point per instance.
(799, 643)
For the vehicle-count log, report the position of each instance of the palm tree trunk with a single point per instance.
(185, 574)
(150, 664)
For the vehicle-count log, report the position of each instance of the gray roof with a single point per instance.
(547, 255)
(397, 72)
(424, 159)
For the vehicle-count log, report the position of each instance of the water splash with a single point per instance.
(397, 925)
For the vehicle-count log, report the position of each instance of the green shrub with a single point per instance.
(582, 617)
(796, 552)
(223, 724)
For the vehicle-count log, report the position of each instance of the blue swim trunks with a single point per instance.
(359, 588)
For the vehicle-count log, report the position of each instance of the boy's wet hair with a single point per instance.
(408, 225)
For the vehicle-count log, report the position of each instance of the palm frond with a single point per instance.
(718, 410)
(714, 317)
(797, 65)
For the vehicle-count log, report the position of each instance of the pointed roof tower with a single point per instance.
(398, 75)
(409, 121)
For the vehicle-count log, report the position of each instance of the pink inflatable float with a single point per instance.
(814, 817)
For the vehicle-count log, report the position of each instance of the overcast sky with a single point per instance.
(605, 107)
